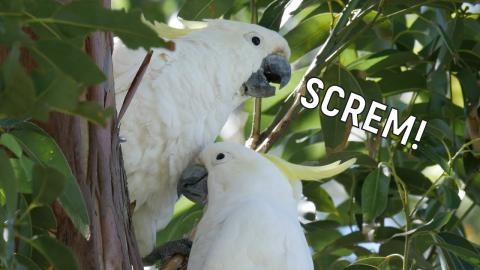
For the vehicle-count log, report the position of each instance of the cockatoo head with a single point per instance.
(260, 55)
(234, 159)
(230, 167)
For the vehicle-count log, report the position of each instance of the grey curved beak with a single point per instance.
(193, 184)
(274, 69)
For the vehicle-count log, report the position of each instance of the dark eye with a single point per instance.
(256, 40)
(220, 156)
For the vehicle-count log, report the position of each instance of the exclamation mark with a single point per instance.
(420, 130)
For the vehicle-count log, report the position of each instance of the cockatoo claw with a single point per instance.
(167, 250)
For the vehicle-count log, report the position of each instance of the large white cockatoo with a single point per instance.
(182, 103)
(251, 221)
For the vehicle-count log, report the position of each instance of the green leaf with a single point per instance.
(60, 92)
(416, 182)
(431, 153)
(272, 16)
(186, 215)
(309, 34)
(435, 224)
(459, 246)
(347, 241)
(312, 151)
(23, 227)
(322, 200)
(25, 263)
(8, 186)
(23, 168)
(11, 144)
(55, 252)
(80, 17)
(321, 225)
(42, 148)
(393, 83)
(447, 193)
(43, 217)
(196, 10)
(18, 94)
(336, 132)
(77, 65)
(48, 184)
(470, 88)
(375, 193)
(321, 238)
(11, 31)
(383, 60)
(93, 112)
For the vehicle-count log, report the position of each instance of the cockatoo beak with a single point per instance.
(193, 183)
(274, 69)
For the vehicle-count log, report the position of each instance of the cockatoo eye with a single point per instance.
(256, 40)
(253, 38)
(221, 157)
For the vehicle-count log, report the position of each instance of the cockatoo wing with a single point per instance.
(255, 236)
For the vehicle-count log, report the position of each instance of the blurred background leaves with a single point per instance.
(398, 204)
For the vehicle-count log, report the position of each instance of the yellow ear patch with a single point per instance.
(309, 173)
(168, 32)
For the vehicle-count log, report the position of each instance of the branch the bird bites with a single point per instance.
(252, 141)
(326, 54)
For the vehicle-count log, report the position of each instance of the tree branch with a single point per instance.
(257, 103)
(327, 53)
(134, 85)
(177, 262)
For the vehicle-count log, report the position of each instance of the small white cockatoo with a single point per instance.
(182, 103)
(251, 221)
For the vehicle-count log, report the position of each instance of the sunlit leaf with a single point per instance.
(42, 148)
(81, 17)
(83, 71)
(196, 10)
(309, 34)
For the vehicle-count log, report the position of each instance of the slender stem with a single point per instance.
(460, 220)
(327, 53)
(134, 85)
(257, 103)
(254, 10)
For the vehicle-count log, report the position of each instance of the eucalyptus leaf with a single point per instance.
(42, 148)
(375, 193)
(57, 254)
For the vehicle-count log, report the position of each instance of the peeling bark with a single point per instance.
(95, 156)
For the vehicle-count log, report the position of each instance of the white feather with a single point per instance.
(251, 221)
(181, 104)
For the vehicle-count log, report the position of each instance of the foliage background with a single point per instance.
(398, 205)
(421, 57)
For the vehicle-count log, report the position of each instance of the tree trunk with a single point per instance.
(95, 157)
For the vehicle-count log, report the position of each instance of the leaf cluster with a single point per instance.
(420, 57)
(46, 68)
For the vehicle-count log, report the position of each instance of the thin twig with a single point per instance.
(257, 103)
(320, 61)
(134, 85)
(175, 263)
